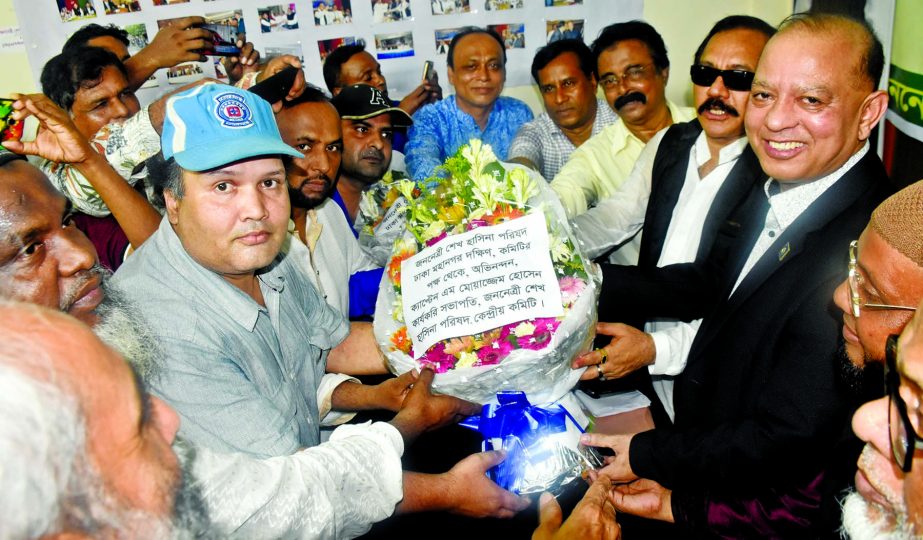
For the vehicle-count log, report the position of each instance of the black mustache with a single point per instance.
(621, 101)
(715, 103)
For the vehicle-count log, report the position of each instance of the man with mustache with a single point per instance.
(684, 185)
(760, 415)
(633, 68)
(563, 71)
(345, 275)
(369, 122)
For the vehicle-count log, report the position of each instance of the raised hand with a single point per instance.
(58, 139)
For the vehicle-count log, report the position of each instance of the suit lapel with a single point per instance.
(838, 198)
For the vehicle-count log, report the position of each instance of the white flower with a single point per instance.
(560, 252)
(368, 206)
(406, 188)
(398, 308)
(478, 155)
(523, 329)
(486, 190)
(522, 186)
(433, 230)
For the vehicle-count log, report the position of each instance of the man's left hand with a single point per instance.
(644, 498)
(423, 411)
(618, 467)
(58, 139)
(629, 350)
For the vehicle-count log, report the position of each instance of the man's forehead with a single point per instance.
(738, 48)
(381, 121)
(111, 82)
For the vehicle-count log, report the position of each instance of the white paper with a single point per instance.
(394, 217)
(479, 280)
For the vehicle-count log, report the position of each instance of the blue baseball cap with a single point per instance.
(215, 124)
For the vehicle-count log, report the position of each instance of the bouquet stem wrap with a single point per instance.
(510, 339)
(542, 444)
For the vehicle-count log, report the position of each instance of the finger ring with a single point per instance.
(604, 353)
(599, 371)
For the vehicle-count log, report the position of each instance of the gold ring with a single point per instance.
(599, 371)
(604, 353)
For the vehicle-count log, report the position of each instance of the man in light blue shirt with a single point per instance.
(477, 70)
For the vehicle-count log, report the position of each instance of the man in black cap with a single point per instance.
(368, 120)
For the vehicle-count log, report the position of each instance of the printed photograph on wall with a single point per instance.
(328, 12)
(563, 29)
(445, 7)
(444, 37)
(277, 18)
(513, 35)
(498, 5)
(114, 7)
(281, 50)
(555, 3)
(326, 46)
(76, 10)
(185, 73)
(390, 10)
(393, 45)
(225, 25)
(137, 40)
(169, 2)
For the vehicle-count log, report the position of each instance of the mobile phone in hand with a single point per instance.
(224, 40)
(10, 130)
(429, 71)
(275, 88)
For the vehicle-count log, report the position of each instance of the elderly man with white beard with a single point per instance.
(878, 299)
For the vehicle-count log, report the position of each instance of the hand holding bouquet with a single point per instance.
(486, 285)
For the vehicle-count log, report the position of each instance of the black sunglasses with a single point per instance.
(904, 439)
(734, 79)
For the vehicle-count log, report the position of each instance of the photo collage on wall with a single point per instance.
(393, 23)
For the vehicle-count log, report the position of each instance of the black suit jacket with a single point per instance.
(667, 180)
(758, 407)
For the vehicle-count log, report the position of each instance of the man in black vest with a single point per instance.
(685, 183)
(760, 414)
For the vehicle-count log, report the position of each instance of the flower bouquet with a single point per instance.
(486, 285)
(381, 219)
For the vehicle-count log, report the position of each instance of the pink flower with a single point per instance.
(475, 223)
(571, 287)
(494, 353)
(544, 330)
(437, 359)
(433, 241)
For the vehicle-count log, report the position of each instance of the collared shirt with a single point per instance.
(441, 128)
(621, 216)
(336, 256)
(243, 377)
(543, 143)
(786, 206)
(335, 490)
(597, 169)
(125, 146)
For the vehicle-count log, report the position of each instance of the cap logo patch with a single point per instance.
(378, 98)
(233, 111)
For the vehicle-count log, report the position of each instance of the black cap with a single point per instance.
(361, 101)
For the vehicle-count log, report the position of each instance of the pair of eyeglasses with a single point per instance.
(904, 438)
(853, 282)
(632, 74)
(734, 79)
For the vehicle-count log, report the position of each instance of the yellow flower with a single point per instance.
(452, 215)
(467, 359)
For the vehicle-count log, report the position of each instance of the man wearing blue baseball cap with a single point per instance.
(246, 337)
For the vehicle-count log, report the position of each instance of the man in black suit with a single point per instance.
(684, 185)
(759, 412)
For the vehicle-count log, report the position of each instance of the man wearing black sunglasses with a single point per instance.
(878, 299)
(760, 417)
(687, 180)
